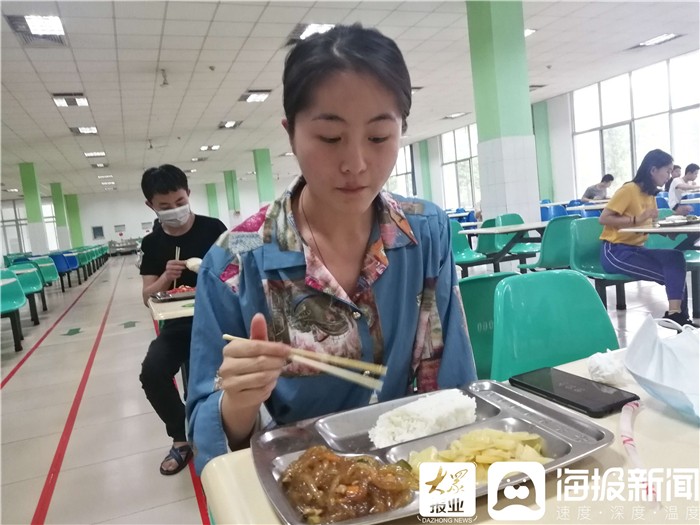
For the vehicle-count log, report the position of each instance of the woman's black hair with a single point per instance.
(656, 158)
(344, 48)
(163, 179)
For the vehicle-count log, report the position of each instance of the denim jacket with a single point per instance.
(406, 313)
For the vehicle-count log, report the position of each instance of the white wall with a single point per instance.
(128, 208)
(561, 147)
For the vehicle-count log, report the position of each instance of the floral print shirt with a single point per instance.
(405, 312)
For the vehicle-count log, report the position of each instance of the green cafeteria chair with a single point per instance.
(30, 279)
(12, 298)
(585, 259)
(547, 319)
(556, 245)
(477, 299)
(47, 269)
(463, 253)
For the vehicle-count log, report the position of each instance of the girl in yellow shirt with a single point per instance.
(622, 252)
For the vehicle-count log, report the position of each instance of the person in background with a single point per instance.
(334, 266)
(634, 204)
(167, 194)
(675, 173)
(598, 191)
(679, 186)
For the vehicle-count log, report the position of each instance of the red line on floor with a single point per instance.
(42, 507)
(196, 482)
(41, 339)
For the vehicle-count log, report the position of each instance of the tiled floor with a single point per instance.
(109, 472)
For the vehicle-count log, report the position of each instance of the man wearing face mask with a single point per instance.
(167, 193)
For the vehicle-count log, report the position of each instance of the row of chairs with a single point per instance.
(28, 276)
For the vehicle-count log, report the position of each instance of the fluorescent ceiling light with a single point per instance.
(12, 190)
(312, 29)
(193, 170)
(84, 130)
(455, 115)
(659, 39)
(213, 147)
(229, 124)
(94, 154)
(63, 100)
(110, 188)
(257, 96)
(415, 88)
(100, 165)
(108, 183)
(529, 32)
(44, 25)
(198, 159)
(288, 154)
(104, 176)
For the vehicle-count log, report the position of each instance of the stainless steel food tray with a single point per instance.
(567, 437)
(164, 297)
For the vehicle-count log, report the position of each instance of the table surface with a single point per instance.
(687, 228)
(597, 206)
(513, 228)
(171, 309)
(690, 201)
(458, 215)
(662, 438)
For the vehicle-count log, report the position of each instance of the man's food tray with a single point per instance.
(679, 221)
(567, 438)
(164, 297)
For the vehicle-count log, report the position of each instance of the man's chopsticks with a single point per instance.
(177, 258)
(324, 363)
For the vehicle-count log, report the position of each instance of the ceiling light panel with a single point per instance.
(229, 124)
(90, 154)
(44, 25)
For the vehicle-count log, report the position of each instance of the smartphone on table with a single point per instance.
(578, 393)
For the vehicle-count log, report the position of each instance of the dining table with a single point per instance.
(592, 206)
(519, 232)
(663, 440)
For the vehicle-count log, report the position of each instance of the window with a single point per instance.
(637, 113)
(401, 179)
(685, 80)
(460, 168)
(685, 130)
(586, 108)
(587, 158)
(615, 98)
(650, 90)
(98, 233)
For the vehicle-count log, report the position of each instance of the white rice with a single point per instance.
(428, 415)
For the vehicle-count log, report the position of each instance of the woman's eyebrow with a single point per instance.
(336, 118)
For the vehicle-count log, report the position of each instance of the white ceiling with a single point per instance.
(214, 51)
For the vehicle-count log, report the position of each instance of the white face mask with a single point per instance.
(175, 217)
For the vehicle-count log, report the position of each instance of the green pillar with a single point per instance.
(212, 200)
(59, 208)
(74, 224)
(540, 119)
(499, 69)
(263, 175)
(424, 166)
(507, 154)
(32, 203)
(232, 195)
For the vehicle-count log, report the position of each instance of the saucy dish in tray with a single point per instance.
(326, 487)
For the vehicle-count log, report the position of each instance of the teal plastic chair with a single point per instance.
(12, 299)
(522, 248)
(30, 279)
(47, 269)
(556, 245)
(477, 298)
(585, 259)
(462, 251)
(546, 319)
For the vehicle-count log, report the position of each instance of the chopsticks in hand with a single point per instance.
(323, 362)
(177, 258)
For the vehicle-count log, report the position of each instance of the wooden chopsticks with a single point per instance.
(177, 258)
(324, 363)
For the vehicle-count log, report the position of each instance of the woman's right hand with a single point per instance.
(250, 368)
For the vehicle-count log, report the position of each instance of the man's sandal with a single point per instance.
(181, 455)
